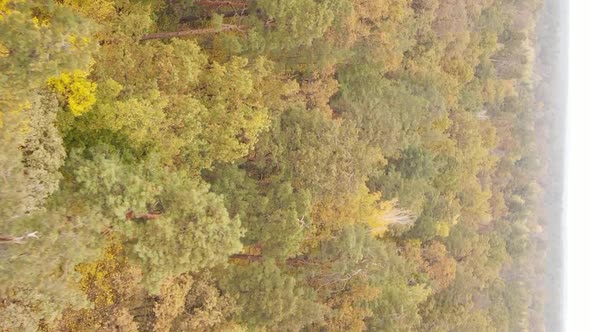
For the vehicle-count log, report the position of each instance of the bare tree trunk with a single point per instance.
(194, 32)
(8, 239)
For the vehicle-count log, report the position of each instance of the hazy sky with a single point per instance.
(577, 177)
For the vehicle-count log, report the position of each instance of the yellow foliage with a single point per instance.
(442, 229)
(4, 52)
(439, 265)
(333, 213)
(433, 259)
(40, 22)
(459, 69)
(318, 90)
(113, 286)
(412, 250)
(350, 312)
(3, 7)
(75, 90)
(376, 217)
(98, 10)
(97, 280)
(494, 91)
(4, 11)
(78, 41)
(386, 214)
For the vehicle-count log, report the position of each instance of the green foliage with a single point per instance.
(192, 229)
(271, 299)
(114, 186)
(381, 108)
(30, 293)
(316, 152)
(416, 163)
(195, 232)
(397, 306)
(271, 215)
(292, 23)
(14, 183)
(42, 152)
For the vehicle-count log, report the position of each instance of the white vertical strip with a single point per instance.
(577, 172)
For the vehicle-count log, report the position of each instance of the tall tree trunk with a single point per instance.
(193, 32)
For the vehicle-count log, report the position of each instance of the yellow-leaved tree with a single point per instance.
(76, 92)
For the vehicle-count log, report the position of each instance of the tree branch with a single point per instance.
(8, 239)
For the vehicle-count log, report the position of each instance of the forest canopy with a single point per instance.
(272, 165)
